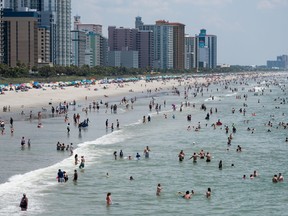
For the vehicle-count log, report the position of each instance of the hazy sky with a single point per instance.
(249, 31)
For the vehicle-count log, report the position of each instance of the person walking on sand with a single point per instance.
(24, 203)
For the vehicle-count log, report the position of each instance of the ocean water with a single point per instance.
(33, 171)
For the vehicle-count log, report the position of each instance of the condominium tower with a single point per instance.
(55, 16)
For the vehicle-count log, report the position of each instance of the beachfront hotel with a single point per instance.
(162, 45)
(55, 17)
(20, 38)
(130, 47)
(95, 46)
(169, 43)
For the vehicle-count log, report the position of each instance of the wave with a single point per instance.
(211, 99)
(230, 95)
(36, 182)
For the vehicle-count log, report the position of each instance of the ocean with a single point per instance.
(34, 170)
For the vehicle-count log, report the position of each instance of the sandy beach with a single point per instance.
(33, 98)
(41, 98)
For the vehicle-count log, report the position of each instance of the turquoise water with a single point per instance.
(34, 171)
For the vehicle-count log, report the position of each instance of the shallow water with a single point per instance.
(34, 170)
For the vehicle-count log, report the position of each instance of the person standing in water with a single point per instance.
(181, 155)
(187, 195)
(108, 199)
(76, 159)
(24, 203)
(75, 177)
(138, 156)
(146, 152)
(220, 165)
(23, 142)
(29, 143)
(208, 192)
(194, 156)
(158, 190)
(82, 163)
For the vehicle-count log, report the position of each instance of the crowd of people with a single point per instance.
(62, 176)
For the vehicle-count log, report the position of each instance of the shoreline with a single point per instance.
(44, 97)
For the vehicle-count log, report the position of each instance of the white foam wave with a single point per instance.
(211, 99)
(230, 95)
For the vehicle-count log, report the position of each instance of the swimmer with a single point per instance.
(187, 195)
(76, 159)
(208, 192)
(202, 154)
(158, 190)
(208, 157)
(275, 179)
(146, 152)
(121, 154)
(24, 203)
(75, 177)
(194, 156)
(108, 199)
(239, 148)
(107, 175)
(181, 156)
(280, 177)
(255, 174)
(131, 178)
(220, 164)
(23, 141)
(244, 177)
(82, 162)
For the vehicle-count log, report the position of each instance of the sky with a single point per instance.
(249, 32)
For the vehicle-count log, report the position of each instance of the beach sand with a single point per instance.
(41, 98)
(37, 98)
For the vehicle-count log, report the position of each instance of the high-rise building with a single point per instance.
(164, 57)
(124, 58)
(205, 50)
(63, 35)
(121, 39)
(280, 63)
(20, 38)
(168, 43)
(43, 45)
(90, 28)
(95, 44)
(138, 22)
(145, 47)
(93, 49)
(189, 52)
(139, 42)
(122, 48)
(55, 15)
(78, 47)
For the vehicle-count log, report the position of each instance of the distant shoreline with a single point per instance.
(34, 98)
